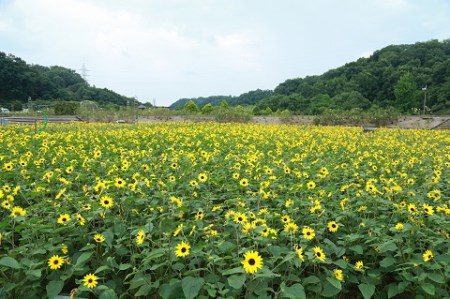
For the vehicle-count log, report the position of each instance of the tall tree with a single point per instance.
(406, 93)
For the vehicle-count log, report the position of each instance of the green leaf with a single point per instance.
(155, 253)
(124, 266)
(392, 290)
(9, 262)
(266, 273)
(357, 249)
(144, 290)
(296, 291)
(233, 271)
(53, 288)
(33, 274)
(387, 262)
(329, 290)
(236, 281)
(108, 294)
(82, 259)
(428, 288)
(191, 286)
(367, 290)
(311, 280)
(171, 291)
(334, 282)
(436, 277)
(101, 268)
(388, 246)
(341, 263)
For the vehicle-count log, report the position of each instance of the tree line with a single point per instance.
(409, 78)
(20, 81)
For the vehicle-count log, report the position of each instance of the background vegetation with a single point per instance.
(403, 77)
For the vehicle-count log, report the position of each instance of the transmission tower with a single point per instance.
(84, 72)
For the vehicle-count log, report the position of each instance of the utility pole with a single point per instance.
(424, 89)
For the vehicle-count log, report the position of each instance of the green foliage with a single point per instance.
(224, 104)
(66, 107)
(19, 81)
(191, 107)
(375, 116)
(380, 80)
(248, 98)
(207, 109)
(406, 93)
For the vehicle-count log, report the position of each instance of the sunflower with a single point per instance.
(18, 211)
(55, 262)
(140, 237)
(6, 204)
(182, 249)
(199, 215)
(412, 208)
(332, 226)
(193, 183)
(240, 218)
(286, 219)
(235, 175)
(299, 251)
(97, 154)
(319, 254)
(90, 280)
(311, 185)
(428, 209)
(99, 238)
(86, 207)
(8, 166)
(308, 233)
(291, 228)
(399, 226)
(252, 262)
(338, 274)
(202, 177)
(119, 183)
(63, 219)
(69, 169)
(81, 219)
(244, 182)
(106, 201)
(359, 265)
(427, 256)
(64, 248)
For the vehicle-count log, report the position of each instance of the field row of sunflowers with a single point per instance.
(207, 210)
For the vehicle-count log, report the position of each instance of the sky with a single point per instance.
(159, 51)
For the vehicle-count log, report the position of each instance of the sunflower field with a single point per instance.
(208, 210)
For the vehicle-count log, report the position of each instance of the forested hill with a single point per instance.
(394, 76)
(19, 80)
(249, 98)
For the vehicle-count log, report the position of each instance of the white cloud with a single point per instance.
(167, 49)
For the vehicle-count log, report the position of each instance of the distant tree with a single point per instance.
(16, 106)
(207, 109)
(191, 106)
(406, 93)
(224, 104)
(66, 107)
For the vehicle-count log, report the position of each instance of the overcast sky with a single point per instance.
(164, 50)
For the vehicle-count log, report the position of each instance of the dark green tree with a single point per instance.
(406, 93)
(191, 106)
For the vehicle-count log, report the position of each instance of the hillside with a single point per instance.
(249, 98)
(19, 80)
(395, 76)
